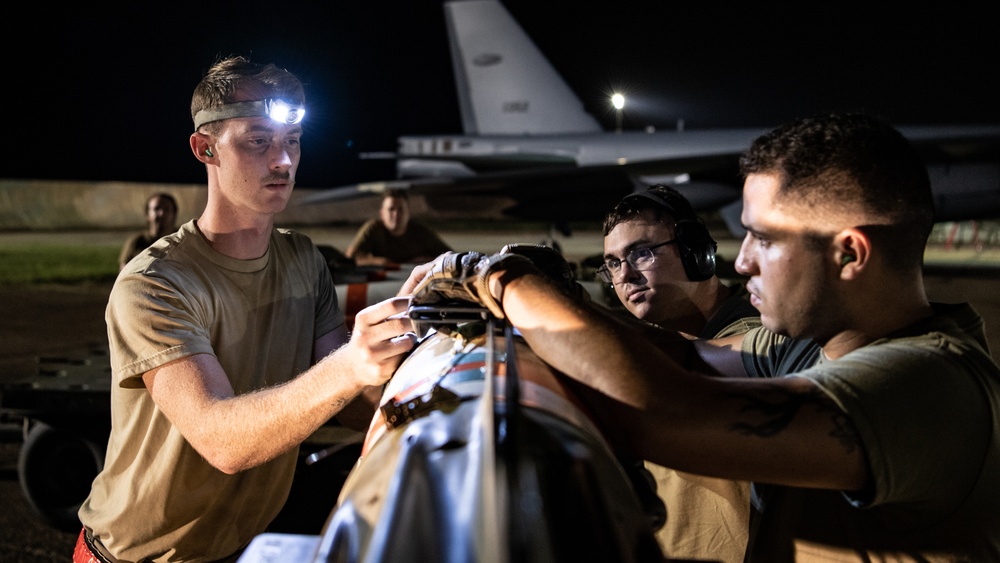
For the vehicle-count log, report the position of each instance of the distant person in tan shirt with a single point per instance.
(161, 219)
(393, 238)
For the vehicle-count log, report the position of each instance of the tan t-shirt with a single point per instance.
(156, 497)
(708, 519)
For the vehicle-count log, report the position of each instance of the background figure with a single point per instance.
(660, 259)
(161, 219)
(393, 238)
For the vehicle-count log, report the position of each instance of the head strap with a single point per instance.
(278, 110)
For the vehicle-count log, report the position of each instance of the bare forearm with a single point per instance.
(781, 430)
(581, 343)
(298, 408)
(357, 415)
(236, 432)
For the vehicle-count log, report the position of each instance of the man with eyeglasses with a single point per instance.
(660, 259)
(228, 349)
(866, 416)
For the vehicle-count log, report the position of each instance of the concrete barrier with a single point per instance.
(67, 205)
(77, 205)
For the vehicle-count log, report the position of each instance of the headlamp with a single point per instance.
(278, 110)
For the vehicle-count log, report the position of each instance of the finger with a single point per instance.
(408, 337)
(404, 342)
(417, 275)
(391, 352)
(381, 311)
(396, 325)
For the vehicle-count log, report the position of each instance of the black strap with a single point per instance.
(96, 548)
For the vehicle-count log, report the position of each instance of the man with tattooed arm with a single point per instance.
(866, 417)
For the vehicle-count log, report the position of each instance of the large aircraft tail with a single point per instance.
(505, 85)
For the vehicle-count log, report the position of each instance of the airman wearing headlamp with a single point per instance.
(228, 348)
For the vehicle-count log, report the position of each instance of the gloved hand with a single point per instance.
(452, 276)
(548, 260)
(551, 263)
(463, 276)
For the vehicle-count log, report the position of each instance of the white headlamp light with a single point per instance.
(278, 110)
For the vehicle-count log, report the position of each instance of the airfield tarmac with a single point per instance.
(49, 319)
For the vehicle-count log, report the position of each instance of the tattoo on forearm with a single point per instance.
(778, 412)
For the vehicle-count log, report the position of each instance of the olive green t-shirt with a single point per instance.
(417, 243)
(925, 403)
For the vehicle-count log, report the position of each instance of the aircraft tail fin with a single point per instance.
(505, 85)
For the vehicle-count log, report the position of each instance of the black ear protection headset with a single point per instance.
(697, 247)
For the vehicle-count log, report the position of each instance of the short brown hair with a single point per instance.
(631, 207)
(230, 76)
(857, 162)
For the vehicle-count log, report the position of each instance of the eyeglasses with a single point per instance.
(640, 258)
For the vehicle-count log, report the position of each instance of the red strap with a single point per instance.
(82, 553)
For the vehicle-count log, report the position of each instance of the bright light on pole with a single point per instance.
(618, 101)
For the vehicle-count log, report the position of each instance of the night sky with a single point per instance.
(102, 93)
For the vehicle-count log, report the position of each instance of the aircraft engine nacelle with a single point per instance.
(426, 168)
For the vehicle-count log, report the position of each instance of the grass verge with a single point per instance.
(33, 263)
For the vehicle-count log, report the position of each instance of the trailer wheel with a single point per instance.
(56, 469)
